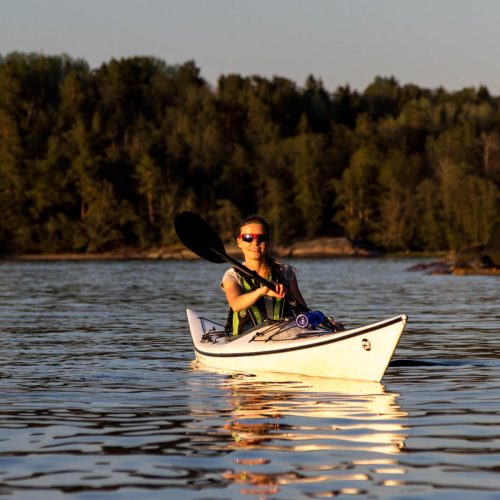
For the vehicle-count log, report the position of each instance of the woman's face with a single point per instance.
(255, 249)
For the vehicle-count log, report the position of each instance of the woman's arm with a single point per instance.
(239, 300)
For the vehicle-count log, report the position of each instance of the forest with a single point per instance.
(95, 160)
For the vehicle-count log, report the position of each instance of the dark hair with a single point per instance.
(255, 219)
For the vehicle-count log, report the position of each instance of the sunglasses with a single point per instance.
(249, 237)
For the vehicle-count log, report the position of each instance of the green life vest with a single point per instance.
(238, 321)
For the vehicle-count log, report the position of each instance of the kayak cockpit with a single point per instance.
(269, 330)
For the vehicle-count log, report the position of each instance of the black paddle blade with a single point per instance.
(199, 236)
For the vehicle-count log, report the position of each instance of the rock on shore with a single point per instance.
(326, 247)
(459, 265)
(482, 259)
(317, 248)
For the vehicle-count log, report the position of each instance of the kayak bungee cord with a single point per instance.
(270, 333)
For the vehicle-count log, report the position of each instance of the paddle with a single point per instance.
(199, 236)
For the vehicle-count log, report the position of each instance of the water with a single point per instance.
(99, 397)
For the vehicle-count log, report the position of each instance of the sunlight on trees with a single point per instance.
(95, 160)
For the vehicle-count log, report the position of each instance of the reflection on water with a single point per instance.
(99, 397)
(233, 434)
(323, 419)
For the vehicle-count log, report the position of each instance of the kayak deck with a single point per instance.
(269, 330)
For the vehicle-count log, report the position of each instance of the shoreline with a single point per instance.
(179, 256)
(315, 249)
(435, 263)
(442, 266)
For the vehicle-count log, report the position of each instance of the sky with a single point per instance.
(429, 43)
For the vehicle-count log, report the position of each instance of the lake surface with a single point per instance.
(100, 398)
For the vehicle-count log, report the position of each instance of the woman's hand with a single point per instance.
(239, 300)
(278, 294)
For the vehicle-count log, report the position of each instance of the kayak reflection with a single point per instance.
(262, 403)
(339, 428)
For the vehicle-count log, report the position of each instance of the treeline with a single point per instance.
(94, 160)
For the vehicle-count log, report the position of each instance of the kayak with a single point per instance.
(361, 353)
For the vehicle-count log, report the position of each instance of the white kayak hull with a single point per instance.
(361, 353)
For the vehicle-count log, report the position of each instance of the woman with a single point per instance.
(251, 303)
